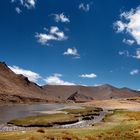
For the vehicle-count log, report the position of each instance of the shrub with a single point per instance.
(41, 131)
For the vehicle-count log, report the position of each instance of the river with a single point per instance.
(10, 112)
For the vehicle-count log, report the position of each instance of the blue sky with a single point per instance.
(87, 42)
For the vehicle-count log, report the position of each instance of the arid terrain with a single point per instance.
(18, 89)
(88, 113)
(70, 70)
(132, 104)
(122, 123)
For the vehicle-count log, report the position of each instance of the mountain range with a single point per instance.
(16, 88)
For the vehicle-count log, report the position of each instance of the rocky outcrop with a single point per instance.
(79, 98)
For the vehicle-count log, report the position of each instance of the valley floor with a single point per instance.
(132, 104)
(122, 124)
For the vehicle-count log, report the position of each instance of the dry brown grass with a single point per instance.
(116, 104)
(121, 125)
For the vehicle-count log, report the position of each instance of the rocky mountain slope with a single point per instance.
(18, 89)
(89, 93)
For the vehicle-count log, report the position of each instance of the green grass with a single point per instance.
(63, 118)
(85, 111)
(121, 125)
(45, 120)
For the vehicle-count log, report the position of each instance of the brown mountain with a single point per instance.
(76, 97)
(84, 93)
(18, 89)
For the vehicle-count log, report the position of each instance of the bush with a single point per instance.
(41, 131)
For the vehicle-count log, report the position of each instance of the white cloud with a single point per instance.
(128, 41)
(129, 23)
(92, 75)
(85, 7)
(98, 85)
(55, 79)
(18, 10)
(125, 53)
(73, 52)
(32, 76)
(61, 18)
(134, 72)
(53, 34)
(29, 4)
(120, 26)
(137, 56)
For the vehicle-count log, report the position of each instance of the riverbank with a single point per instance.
(120, 125)
(10, 112)
(87, 123)
(74, 117)
(79, 124)
(8, 128)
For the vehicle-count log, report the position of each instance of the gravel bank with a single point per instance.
(6, 128)
(86, 123)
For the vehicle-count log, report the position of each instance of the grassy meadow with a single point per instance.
(120, 125)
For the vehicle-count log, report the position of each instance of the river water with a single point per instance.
(10, 112)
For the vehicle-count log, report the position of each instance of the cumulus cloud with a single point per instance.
(128, 41)
(32, 76)
(18, 10)
(137, 55)
(129, 23)
(54, 34)
(125, 53)
(72, 52)
(61, 18)
(134, 72)
(120, 26)
(85, 7)
(55, 79)
(92, 75)
(29, 4)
